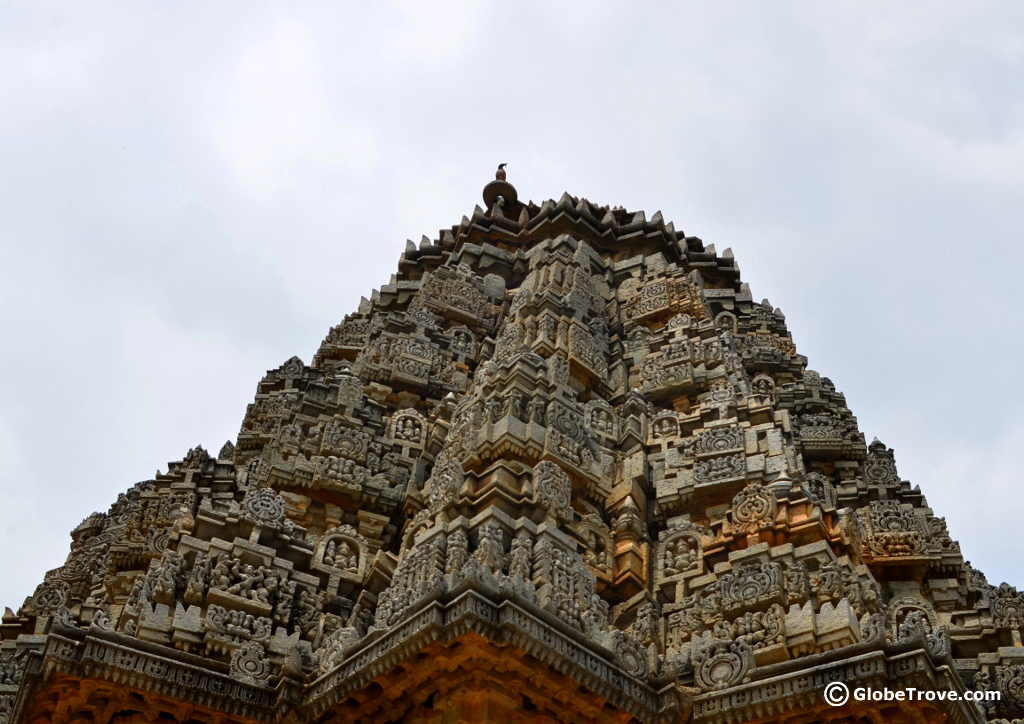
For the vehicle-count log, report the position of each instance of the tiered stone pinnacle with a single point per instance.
(562, 468)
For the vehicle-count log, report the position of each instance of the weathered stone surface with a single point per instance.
(561, 466)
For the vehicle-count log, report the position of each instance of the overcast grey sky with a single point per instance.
(193, 192)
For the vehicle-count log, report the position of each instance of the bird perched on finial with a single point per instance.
(501, 193)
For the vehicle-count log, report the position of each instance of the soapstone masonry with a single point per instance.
(561, 468)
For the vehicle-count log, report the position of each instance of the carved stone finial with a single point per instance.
(501, 190)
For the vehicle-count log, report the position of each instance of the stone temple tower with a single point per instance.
(561, 468)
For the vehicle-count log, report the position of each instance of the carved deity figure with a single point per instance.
(348, 559)
(680, 556)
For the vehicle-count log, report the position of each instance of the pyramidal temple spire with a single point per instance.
(560, 467)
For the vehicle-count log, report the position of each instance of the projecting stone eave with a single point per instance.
(521, 642)
(460, 640)
(794, 688)
(456, 640)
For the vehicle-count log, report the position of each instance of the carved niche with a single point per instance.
(597, 541)
(408, 427)
(342, 548)
(680, 551)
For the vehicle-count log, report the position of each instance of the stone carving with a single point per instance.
(249, 664)
(553, 490)
(751, 584)
(718, 664)
(753, 508)
(1007, 607)
(629, 653)
(665, 425)
(892, 529)
(237, 625)
(344, 557)
(342, 441)
(564, 448)
(419, 574)
(568, 587)
(50, 597)
(718, 440)
(873, 627)
(763, 386)
(720, 468)
(521, 557)
(1011, 682)
(821, 489)
(12, 666)
(264, 507)
(343, 548)
(227, 451)
(444, 483)
(490, 548)
(458, 552)
(408, 427)
(597, 538)
(463, 342)
(880, 467)
(759, 629)
(350, 333)
(680, 550)
(680, 556)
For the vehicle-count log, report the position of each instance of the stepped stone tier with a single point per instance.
(561, 468)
